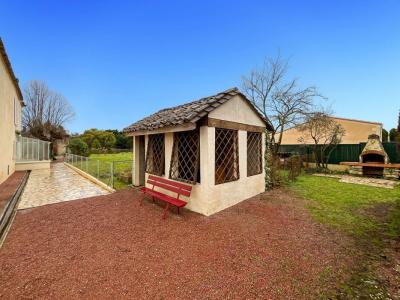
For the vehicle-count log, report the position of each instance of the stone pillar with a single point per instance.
(138, 166)
(207, 156)
(136, 162)
(390, 173)
(356, 170)
(168, 143)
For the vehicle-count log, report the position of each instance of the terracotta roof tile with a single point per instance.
(186, 113)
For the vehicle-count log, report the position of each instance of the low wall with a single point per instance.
(332, 167)
(32, 165)
(90, 177)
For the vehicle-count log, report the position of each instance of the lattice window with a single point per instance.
(226, 155)
(254, 153)
(155, 157)
(185, 160)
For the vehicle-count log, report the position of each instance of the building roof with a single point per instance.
(188, 113)
(340, 119)
(14, 79)
(356, 120)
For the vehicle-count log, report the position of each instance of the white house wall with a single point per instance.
(208, 198)
(214, 198)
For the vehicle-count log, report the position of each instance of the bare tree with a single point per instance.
(325, 134)
(281, 101)
(46, 111)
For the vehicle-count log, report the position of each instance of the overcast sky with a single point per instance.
(117, 61)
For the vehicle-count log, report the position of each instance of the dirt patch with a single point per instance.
(388, 270)
(379, 211)
(384, 260)
(109, 247)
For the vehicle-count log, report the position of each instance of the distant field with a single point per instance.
(111, 157)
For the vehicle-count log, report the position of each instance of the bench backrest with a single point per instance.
(169, 185)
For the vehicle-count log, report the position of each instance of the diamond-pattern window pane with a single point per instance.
(155, 157)
(226, 155)
(254, 153)
(185, 160)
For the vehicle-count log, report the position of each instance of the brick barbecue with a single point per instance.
(374, 161)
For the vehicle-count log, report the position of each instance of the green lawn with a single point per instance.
(122, 167)
(370, 215)
(346, 206)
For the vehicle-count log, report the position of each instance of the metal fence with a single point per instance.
(29, 149)
(116, 174)
(342, 152)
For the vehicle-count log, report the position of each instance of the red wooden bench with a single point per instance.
(168, 185)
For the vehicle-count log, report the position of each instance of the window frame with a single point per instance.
(218, 150)
(250, 136)
(150, 147)
(192, 150)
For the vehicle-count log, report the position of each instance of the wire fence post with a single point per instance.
(87, 165)
(112, 174)
(98, 169)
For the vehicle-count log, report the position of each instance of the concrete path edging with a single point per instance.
(90, 177)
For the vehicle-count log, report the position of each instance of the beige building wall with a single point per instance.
(237, 110)
(10, 121)
(206, 197)
(356, 132)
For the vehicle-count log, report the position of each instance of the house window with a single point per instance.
(185, 159)
(254, 153)
(226, 155)
(155, 158)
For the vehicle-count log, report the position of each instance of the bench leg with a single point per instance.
(178, 210)
(166, 210)
(141, 200)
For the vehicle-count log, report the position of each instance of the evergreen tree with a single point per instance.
(398, 123)
(398, 134)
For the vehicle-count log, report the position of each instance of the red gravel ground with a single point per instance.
(110, 247)
(9, 187)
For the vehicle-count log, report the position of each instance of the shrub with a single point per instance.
(294, 164)
(78, 146)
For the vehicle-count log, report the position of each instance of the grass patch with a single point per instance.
(369, 214)
(341, 204)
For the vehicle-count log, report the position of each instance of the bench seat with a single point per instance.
(170, 186)
(161, 196)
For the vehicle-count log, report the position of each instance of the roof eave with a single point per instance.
(14, 79)
(176, 128)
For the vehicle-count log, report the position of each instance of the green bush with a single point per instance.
(78, 146)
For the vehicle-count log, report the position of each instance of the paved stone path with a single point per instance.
(58, 184)
(376, 182)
